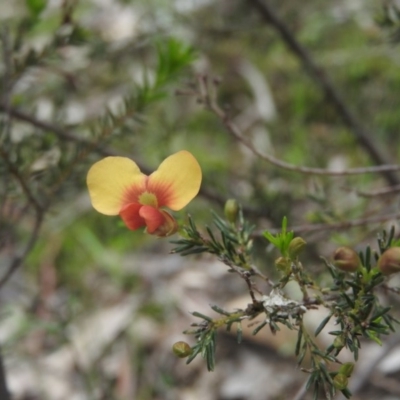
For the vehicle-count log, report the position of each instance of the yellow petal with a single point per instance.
(176, 181)
(114, 182)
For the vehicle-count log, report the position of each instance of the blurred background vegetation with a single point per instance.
(90, 309)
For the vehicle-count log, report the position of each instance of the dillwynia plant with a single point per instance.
(350, 297)
(117, 187)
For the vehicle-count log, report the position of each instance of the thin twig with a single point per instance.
(256, 272)
(334, 226)
(331, 93)
(243, 274)
(7, 81)
(14, 171)
(4, 393)
(210, 103)
(19, 259)
(379, 192)
(58, 131)
(233, 129)
(91, 145)
(251, 286)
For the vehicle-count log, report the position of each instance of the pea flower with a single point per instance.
(118, 187)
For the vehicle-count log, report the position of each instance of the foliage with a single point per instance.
(291, 110)
(352, 301)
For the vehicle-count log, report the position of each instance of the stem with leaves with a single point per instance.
(350, 299)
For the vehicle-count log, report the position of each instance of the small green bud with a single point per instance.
(282, 263)
(340, 381)
(389, 261)
(346, 369)
(296, 246)
(346, 259)
(181, 349)
(231, 210)
(338, 343)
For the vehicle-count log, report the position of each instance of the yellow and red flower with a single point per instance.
(118, 187)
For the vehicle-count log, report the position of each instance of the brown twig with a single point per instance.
(331, 93)
(209, 101)
(4, 393)
(18, 259)
(7, 78)
(334, 226)
(256, 272)
(379, 192)
(58, 131)
(14, 171)
(246, 275)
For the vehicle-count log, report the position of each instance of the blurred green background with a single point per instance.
(83, 79)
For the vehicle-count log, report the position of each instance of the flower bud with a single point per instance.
(296, 246)
(231, 210)
(389, 261)
(168, 227)
(282, 263)
(346, 259)
(181, 349)
(338, 343)
(346, 369)
(340, 381)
